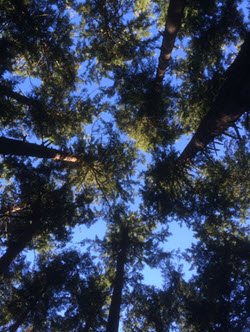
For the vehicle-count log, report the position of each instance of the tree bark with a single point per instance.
(10, 146)
(232, 101)
(15, 248)
(173, 24)
(115, 306)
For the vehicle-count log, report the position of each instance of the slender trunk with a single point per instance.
(10, 146)
(115, 306)
(232, 101)
(158, 325)
(173, 24)
(15, 248)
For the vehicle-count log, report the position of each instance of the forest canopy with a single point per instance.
(132, 115)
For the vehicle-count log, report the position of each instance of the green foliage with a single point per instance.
(65, 282)
(106, 164)
(152, 309)
(218, 296)
(36, 202)
(215, 192)
(171, 189)
(59, 116)
(145, 115)
(40, 43)
(217, 28)
(110, 36)
(142, 5)
(168, 187)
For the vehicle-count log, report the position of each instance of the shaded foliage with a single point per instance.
(61, 283)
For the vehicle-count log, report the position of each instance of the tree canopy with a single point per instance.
(132, 115)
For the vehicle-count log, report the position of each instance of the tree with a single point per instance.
(42, 48)
(115, 306)
(156, 309)
(113, 37)
(173, 23)
(31, 49)
(129, 244)
(214, 31)
(218, 294)
(229, 105)
(146, 115)
(37, 207)
(65, 282)
(77, 76)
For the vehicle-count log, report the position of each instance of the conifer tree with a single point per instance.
(64, 281)
(231, 102)
(173, 22)
(74, 78)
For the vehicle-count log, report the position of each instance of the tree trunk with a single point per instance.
(158, 325)
(115, 306)
(232, 101)
(10, 146)
(173, 24)
(15, 248)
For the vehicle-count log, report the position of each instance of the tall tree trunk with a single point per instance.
(10, 146)
(158, 325)
(232, 101)
(115, 306)
(15, 248)
(173, 24)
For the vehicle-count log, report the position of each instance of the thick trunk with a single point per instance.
(232, 101)
(10, 146)
(15, 248)
(173, 24)
(115, 307)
